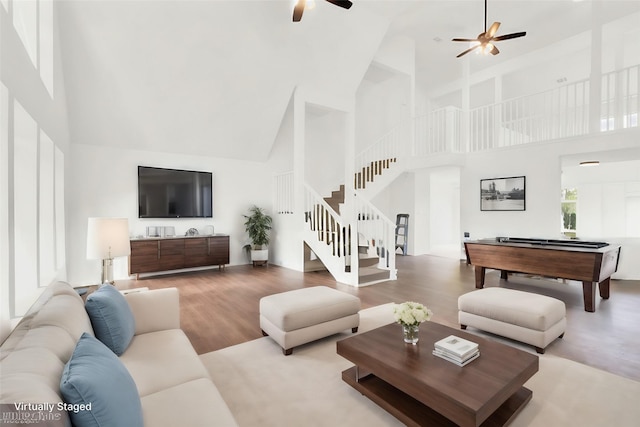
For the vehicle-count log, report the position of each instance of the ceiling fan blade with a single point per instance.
(346, 4)
(468, 50)
(298, 9)
(493, 29)
(510, 36)
(464, 40)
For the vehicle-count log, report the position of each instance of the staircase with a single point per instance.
(329, 235)
(369, 172)
(368, 260)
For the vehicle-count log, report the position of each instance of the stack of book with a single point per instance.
(456, 350)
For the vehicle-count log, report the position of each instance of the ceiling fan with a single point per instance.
(300, 4)
(486, 40)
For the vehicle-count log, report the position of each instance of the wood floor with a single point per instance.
(219, 308)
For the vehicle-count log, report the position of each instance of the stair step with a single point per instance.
(336, 199)
(367, 262)
(372, 274)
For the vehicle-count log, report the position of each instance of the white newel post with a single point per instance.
(298, 164)
(349, 214)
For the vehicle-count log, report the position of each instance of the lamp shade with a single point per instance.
(107, 238)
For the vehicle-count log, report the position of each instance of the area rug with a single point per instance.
(264, 388)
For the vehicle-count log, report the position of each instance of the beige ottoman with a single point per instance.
(522, 316)
(297, 317)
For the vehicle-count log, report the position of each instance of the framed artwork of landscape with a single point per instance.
(503, 194)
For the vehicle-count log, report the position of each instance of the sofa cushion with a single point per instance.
(100, 387)
(199, 404)
(167, 352)
(111, 318)
(56, 320)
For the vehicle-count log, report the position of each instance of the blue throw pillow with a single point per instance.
(97, 389)
(111, 318)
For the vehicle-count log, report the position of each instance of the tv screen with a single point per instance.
(172, 193)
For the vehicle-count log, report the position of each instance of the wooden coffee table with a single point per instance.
(421, 389)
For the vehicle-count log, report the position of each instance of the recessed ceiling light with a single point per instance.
(590, 163)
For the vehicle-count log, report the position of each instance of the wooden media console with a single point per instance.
(150, 255)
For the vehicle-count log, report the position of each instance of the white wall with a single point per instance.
(403, 196)
(431, 197)
(541, 165)
(386, 95)
(445, 211)
(608, 207)
(33, 99)
(102, 182)
(541, 169)
(285, 226)
(5, 293)
(325, 141)
(380, 107)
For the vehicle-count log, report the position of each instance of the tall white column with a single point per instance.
(595, 77)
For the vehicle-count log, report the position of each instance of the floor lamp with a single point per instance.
(107, 238)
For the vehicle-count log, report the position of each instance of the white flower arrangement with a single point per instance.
(411, 313)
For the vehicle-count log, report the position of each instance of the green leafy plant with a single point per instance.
(257, 226)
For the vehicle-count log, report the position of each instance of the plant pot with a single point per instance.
(259, 256)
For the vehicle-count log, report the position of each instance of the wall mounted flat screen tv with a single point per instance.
(173, 193)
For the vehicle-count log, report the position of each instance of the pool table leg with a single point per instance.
(604, 288)
(480, 276)
(589, 295)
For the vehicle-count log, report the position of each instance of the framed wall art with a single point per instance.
(503, 194)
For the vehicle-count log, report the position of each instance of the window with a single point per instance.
(25, 21)
(25, 209)
(568, 207)
(33, 21)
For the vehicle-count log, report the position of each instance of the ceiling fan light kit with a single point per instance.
(298, 9)
(486, 40)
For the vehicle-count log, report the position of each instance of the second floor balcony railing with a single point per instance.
(557, 113)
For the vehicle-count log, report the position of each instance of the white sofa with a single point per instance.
(173, 385)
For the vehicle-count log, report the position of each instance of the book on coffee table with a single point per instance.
(459, 348)
(448, 358)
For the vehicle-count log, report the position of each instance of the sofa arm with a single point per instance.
(155, 310)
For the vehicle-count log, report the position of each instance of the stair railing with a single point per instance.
(379, 231)
(283, 194)
(380, 155)
(438, 131)
(331, 236)
(620, 95)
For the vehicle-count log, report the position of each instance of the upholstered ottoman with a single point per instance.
(522, 316)
(297, 317)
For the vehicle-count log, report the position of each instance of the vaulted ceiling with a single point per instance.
(214, 77)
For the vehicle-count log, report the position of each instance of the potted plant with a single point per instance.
(257, 226)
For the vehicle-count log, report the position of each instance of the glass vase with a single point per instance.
(410, 334)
